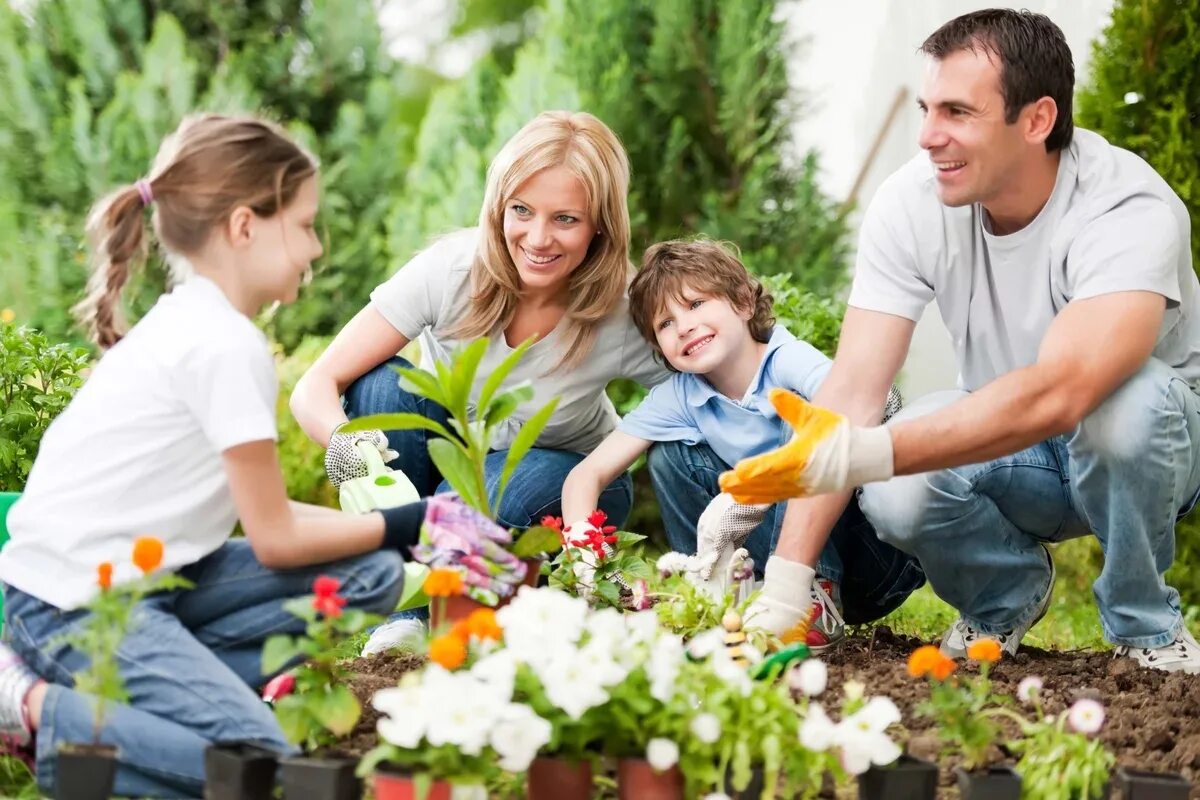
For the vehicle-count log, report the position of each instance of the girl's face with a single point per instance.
(547, 229)
(284, 247)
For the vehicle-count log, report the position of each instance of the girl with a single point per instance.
(173, 435)
(549, 259)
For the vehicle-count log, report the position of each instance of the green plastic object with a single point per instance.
(6, 501)
(774, 665)
(386, 488)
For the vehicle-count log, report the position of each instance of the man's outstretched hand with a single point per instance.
(826, 454)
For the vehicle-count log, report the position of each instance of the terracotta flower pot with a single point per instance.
(393, 785)
(559, 779)
(637, 780)
(459, 607)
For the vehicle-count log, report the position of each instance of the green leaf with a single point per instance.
(399, 421)
(337, 709)
(626, 538)
(501, 372)
(294, 718)
(535, 541)
(464, 364)
(521, 445)
(422, 383)
(608, 591)
(278, 652)
(458, 470)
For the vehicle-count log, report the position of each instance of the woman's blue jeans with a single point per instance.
(191, 662)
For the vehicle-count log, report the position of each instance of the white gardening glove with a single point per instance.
(343, 462)
(826, 454)
(723, 528)
(785, 599)
(574, 537)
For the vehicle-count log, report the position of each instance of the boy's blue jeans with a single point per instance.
(191, 664)
(1126, 473)
(874, 578)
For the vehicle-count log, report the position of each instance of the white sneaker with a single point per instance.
(1181, 655)
(961, 636)
(402, 634)
(16, 680)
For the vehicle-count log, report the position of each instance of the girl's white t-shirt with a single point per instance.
(425, 297)
(138, 450)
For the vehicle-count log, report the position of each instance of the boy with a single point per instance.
(711, 321)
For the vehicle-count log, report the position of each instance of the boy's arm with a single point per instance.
(582, 489)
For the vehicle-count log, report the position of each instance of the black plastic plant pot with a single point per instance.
(1136, 784)
(993, 783)
(85, 772)
(239, 771)
(320, 779)
(753, 790)
(907, 779)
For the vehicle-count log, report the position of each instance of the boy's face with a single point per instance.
(701, 333)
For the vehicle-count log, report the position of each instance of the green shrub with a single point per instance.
(816, 320)
(37, 380)
(301, 459)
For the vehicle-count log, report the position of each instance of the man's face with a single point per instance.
(974, 152)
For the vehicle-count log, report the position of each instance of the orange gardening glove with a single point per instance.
(826, 454)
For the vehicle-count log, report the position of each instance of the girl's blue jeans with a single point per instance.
(191, 664)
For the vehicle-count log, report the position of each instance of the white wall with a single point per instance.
(857, 55)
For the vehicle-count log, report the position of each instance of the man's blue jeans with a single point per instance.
(535, 489)
(191, 663)
(1126, 473)
(874, 578)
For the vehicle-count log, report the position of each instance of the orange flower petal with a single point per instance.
(944, 668)
(988, 650)
(923, 660)
(147, 553)
(104, 575)
(482, 625)
(448, 651)
(443, 582)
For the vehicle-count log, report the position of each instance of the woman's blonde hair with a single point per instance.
(593, 153)
(208, 167)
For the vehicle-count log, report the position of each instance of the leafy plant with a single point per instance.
(460, 452)
(37, 380)
(100, 633)
(596, 565)
(962, 708)
(321, 708)
(817, 320)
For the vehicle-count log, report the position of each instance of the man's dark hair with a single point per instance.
(1033, 56)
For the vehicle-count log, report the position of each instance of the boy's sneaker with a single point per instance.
(16, 680)
(1181, 655)
(826, 626)
(405, 633)
(961, 635)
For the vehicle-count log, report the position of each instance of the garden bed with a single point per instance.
(1153, 718)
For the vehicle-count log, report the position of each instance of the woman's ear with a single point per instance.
(240, 227)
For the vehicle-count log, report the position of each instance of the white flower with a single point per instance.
(853, 690)
(716, 796)
(518, 736)
(599, 662)
(863, 739)
(662, 754)
(1132, 97)
(817, 732)
(606, 629)
(662, 667)
(468, 791)
(569, 684)
(672, 563)
(703, 645)
(536, 617)
(1028, 688)
(498, 670)
(706, 727)
(463, 709)
(809, 678)
(406, 716)
(731, 672)
(642, 628)
(1086, 716)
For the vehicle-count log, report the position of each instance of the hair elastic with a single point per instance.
(143, 190)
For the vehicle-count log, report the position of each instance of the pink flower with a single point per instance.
(1086, 716)
(1029, 688)
(641, 595)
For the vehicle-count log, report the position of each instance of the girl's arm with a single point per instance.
(285, 534)
(366, 342)
(590, 477)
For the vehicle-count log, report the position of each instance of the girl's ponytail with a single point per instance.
(117, 229)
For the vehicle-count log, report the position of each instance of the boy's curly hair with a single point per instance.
(704, 266)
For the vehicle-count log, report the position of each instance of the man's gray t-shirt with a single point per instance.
(1111, 225)
(425, 297)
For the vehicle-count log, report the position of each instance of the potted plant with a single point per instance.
(239, 771)
(601, 564)
(86, 770)
(321, 708)
(963, 710)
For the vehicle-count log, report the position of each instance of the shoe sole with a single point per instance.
(1045, 607)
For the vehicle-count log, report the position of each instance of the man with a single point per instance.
(1062, 268)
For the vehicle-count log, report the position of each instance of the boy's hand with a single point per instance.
(826, 454)
(723, 528)
(785, 598)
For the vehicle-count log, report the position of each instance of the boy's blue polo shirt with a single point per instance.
(687, 408)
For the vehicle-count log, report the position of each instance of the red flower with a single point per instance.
(554, 523)
(326, 586)
(330, 606)
(597, 519)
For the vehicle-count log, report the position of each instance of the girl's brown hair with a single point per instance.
(701, 265)
(208, 167)
(589, 149)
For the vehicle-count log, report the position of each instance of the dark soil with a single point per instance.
(1153, 718)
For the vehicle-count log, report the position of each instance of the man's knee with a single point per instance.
(1139, 414)
(912, 508)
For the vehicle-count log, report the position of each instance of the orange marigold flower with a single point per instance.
(461, 630)
(923, 660)
(985, 650)
(449, 651)
(104, 575)
(482, 625)
(147, 553)
(443, 583)
(944, 668)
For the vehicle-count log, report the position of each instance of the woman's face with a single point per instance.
(547, 229)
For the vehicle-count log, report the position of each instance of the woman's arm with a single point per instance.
(367, 341)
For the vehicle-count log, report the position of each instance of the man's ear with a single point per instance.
(1038, 119)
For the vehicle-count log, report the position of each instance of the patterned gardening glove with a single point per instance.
(723, 528)
(785, 599)
(826, 454)
(343, 462)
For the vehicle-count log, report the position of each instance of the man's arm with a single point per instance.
(584, 484)
(1091, 348)
(871, 349)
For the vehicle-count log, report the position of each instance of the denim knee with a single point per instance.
(905, 510)
(670, 462)
(376, 391)
(374, 581)
(1124, 427)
